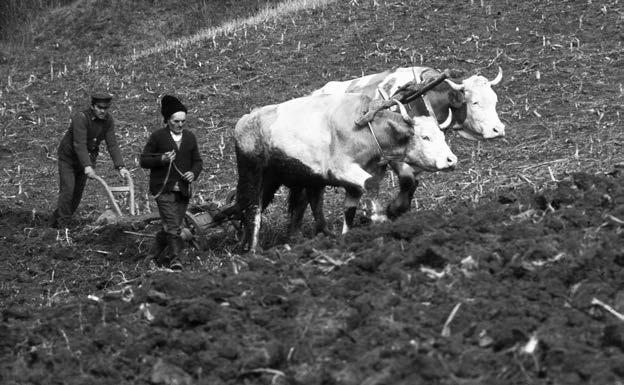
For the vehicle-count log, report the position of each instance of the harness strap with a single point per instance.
(418, 80)
(384, 159)
(370, 127)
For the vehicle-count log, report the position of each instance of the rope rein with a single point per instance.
(162, 189)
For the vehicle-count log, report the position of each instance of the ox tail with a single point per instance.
(246, 187)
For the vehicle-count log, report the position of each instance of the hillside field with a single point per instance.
(508, 270)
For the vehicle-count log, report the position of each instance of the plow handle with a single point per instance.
(109, 191)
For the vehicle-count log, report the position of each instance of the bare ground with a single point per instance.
(499, 276)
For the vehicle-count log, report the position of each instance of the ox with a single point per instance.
(472, 103)
(314, 141)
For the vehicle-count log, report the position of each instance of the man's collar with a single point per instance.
(174, 135)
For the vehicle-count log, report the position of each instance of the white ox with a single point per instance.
(472, 103)
(314, 141)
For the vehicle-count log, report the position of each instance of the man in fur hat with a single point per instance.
(78, 152)
(172, 155)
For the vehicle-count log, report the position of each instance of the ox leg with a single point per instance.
(269, 187)
(403, 201)
(248, 198)
(352, 198)
(315, 198)
(372, 190)
(298, 200)
(407, 186)
(257, 222)
(354, 175)
(297, 203)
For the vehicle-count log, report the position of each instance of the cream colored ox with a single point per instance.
(471, 102)
(314, 141)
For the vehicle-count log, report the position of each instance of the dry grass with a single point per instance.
(280, 11)
(16, 12)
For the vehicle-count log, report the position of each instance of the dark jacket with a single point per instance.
(81, 143)
(187, 159)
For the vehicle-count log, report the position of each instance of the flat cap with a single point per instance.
(101, 97)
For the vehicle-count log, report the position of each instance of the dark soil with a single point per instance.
(509, 270)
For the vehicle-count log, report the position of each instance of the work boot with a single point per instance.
(175, 248)
(156, 252)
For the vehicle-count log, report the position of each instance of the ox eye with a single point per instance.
(426, 138)
(475, 103)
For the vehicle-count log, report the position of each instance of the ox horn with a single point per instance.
(455, 86)
(417, 77)
(404, 113)
(444, 125)
(498, 77)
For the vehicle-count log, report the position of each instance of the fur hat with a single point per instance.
(170, 105)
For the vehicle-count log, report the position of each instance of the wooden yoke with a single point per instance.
(408, 94)
(405, 95)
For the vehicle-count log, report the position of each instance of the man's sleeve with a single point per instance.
(113, 146)
(79, 126)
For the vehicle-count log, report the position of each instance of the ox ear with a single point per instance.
(456, 98)
(401, 129)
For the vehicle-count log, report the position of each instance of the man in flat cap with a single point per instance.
(78, 152)
(172, 156)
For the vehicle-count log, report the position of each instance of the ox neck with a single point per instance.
(370, 127)
(384, 158)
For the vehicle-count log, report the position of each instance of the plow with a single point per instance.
(200, 221)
